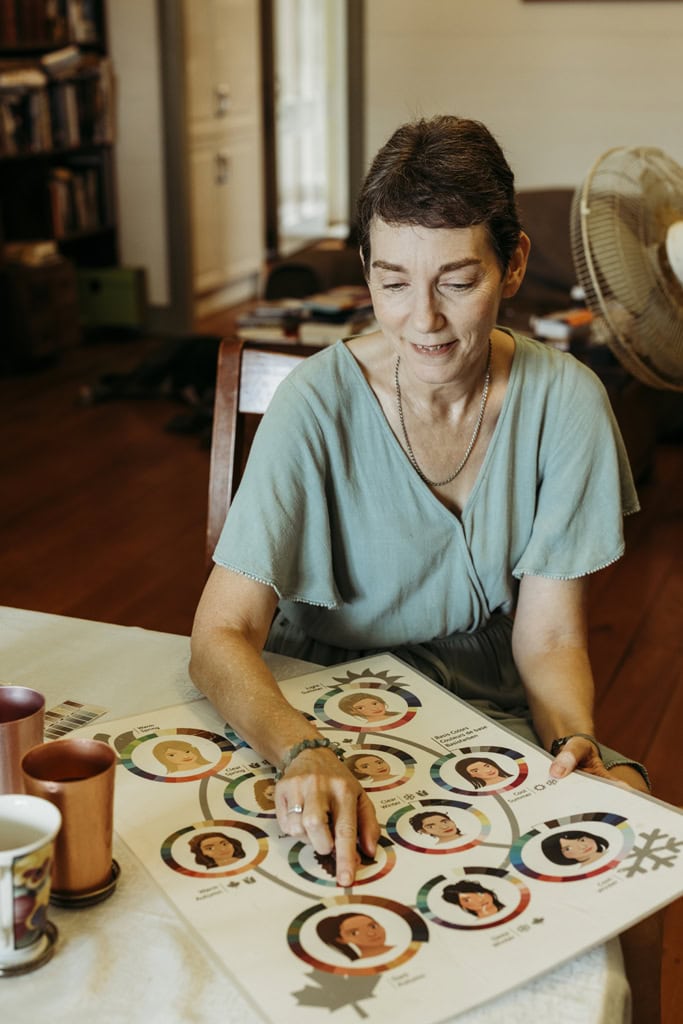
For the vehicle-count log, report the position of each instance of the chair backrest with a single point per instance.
(248, 374)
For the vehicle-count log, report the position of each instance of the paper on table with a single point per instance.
(471, 892)
(70, 715)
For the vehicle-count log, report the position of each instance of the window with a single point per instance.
(310, 121)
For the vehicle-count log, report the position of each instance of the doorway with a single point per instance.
(312, 108)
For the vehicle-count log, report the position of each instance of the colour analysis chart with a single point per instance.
(488, 871)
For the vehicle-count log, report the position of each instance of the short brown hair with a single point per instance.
(442, 172)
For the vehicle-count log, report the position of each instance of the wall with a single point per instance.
(143, 242)
(557, 83)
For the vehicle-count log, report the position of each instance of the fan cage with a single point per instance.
(619, 219)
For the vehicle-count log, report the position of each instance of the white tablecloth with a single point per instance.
(133, 959)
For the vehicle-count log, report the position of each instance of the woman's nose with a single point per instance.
(427, 315)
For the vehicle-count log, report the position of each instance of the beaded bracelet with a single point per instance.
(557, 745)
(307, 745)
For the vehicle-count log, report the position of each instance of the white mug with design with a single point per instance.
(28, 828)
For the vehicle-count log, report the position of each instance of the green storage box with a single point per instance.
(113, 297)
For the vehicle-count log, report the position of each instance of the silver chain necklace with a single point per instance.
(475, 432)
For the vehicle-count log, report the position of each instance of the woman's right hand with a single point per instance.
(319, 801)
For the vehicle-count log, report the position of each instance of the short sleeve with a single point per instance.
(277, 530)
(585, 486)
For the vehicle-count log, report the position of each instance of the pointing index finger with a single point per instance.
(346, 855)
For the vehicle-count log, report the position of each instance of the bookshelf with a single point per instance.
(56, 129)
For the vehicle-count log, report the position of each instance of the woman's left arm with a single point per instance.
(550, 648)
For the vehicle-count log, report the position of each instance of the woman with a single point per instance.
(366, 706)
(435, 824)
(573, 847)
(178, 756)
(216, 850)
(481, 771)
(409, 490)
(264, 794)
(474, 898)
(354, 935)
(369, 767)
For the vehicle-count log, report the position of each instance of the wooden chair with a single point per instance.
(247, 376)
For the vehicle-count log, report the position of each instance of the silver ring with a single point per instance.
(296, 809)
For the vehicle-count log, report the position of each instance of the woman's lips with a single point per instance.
(434, 349)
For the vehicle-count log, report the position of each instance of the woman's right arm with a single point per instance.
(230, 629)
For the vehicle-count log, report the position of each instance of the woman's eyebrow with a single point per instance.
(467, 261)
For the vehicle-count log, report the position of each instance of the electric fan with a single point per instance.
(627, 245)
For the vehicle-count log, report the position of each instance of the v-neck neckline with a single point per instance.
(420, 486)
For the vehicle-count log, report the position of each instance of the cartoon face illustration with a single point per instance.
(328, 861)
(481, 771)
(473, 898)
(368, 767)
(573, 847)
(435, 824)
(178, 755)
(216, 850)
(264, 794)
(354, 935)
(366, 706)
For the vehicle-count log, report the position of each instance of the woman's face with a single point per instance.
(582, 850)
(370, 707)
(482, 770)
(440, 826)
(219, 848)
(436, 293)
(364, 932)
(182, 757)
(375, 767)
(480, 903)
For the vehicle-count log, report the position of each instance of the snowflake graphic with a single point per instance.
(657, 850)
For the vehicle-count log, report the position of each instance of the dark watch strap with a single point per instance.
(556, 745)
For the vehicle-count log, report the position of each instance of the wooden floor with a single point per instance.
(103, 517)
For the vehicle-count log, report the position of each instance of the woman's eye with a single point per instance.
(393, 286)
(457, 286)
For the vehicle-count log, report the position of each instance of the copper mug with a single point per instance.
(22, 720)
(77, 776)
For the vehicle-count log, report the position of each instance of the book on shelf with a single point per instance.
(41, 23)
(25, 123)
(58, 104)
(82, 20)
(74, 200)
(58, 61)
(32, 254)
(33, 23)
(9, 28)
(563, 326)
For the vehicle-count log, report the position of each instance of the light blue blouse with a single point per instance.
(332, 515)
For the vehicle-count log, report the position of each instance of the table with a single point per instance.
(132, 958)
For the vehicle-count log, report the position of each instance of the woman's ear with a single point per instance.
(514, 275)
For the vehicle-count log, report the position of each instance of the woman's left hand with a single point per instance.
(578, 753)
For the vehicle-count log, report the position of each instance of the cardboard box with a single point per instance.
(39, 311)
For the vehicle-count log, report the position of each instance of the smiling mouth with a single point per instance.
(434, 348)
